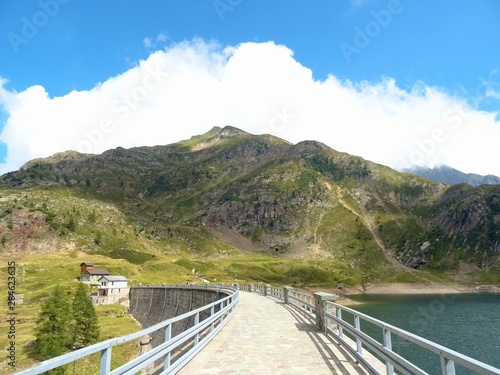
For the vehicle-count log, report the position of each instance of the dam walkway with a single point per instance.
(265, 336)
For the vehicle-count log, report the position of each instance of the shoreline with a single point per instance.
(417, 288)
(401, 288)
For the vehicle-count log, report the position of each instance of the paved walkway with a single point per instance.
(265, 336)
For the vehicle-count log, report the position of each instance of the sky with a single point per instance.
(397, 82)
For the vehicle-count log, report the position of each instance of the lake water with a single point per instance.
(466, 323)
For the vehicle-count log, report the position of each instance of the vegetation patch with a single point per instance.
(132, 256)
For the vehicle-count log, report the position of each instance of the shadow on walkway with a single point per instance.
(329, 349)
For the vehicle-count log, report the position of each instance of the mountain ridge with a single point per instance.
(448, 175)
(301, 200)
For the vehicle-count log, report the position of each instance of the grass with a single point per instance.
(36, 285)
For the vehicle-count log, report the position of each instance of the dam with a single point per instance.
(247, 329)
(152, 305)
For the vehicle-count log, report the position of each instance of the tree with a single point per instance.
(52, 330)
(86, 328)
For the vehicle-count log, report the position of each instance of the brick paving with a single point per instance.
(267, 337)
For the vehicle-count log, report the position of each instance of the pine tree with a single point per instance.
(86, 328)
(53, 324)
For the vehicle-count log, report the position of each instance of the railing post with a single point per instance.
(339, 327)
(328, 323)
(212, 325)
(267, 290)
(105, 365)
(357, 326)
(251, 288)
(286, 294)
(196, 321)
(168, 336)
(320, 300)
(447, 366)
(389, 368)
(222, 308)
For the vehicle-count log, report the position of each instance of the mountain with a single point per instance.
(228, 190)
(448, 175)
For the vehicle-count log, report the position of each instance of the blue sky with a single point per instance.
(398, 82)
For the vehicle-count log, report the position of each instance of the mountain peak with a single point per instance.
(213, 136)
(229, 131)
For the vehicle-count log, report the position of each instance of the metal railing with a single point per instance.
(303, 301)
(194, 338)
(383, 349)
(332, 313)
(275, 292)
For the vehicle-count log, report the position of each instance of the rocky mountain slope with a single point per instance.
(229, 189)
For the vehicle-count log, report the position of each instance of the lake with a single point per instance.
(466, 323)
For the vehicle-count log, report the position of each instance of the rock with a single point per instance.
(425, 246)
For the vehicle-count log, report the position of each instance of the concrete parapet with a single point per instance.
(320, 299)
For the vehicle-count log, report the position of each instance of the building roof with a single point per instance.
(89, 264)
(114, 278)
(97, 271)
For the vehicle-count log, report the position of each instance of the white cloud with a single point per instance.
(147, 42)
(150, 43)
(258, 87)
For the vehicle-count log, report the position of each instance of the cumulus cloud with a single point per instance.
(259, 87)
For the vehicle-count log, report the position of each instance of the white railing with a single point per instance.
(303, 301)
(330, 314)
(275, 292)
(393, 361)
(194, 338)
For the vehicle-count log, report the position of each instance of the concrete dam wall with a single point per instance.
(152, 305)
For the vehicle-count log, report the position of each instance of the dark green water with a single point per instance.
(466, 323)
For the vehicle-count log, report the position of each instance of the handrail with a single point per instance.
(307, 304)
(448, 357)
(207, 328)
(303, 301)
